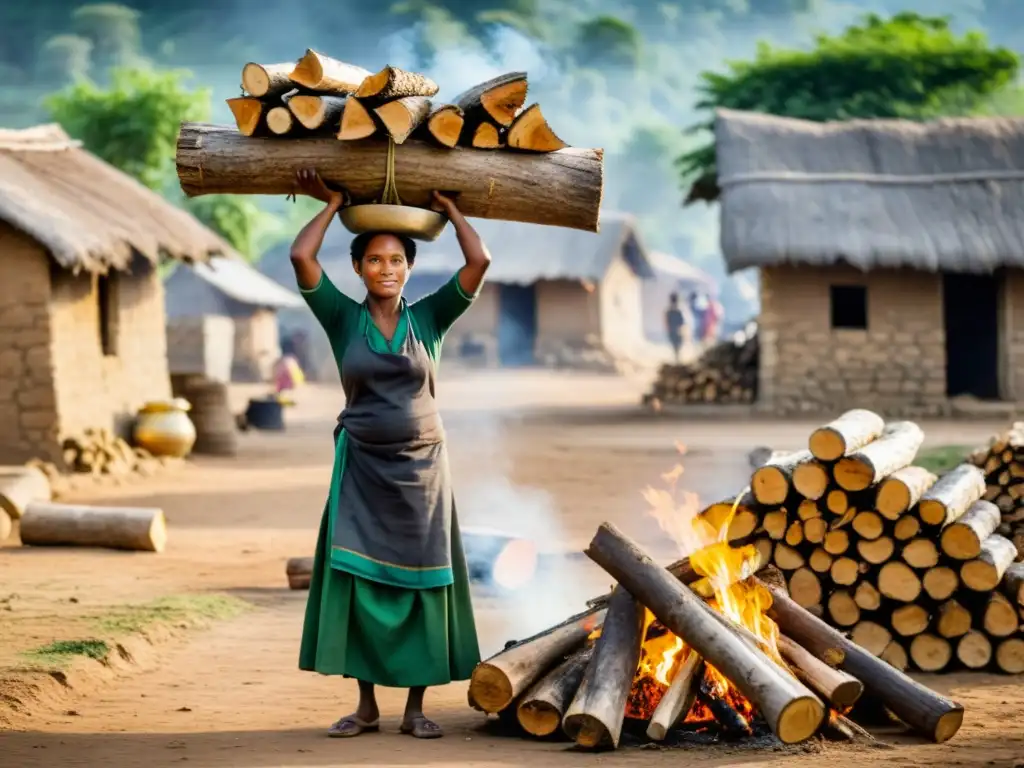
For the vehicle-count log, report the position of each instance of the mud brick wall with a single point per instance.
(896, 365)
(28, 409)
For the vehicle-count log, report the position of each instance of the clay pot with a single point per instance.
(164, 429)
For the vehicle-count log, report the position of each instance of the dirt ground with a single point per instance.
(547, 455)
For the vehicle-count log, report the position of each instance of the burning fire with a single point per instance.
(741, 600)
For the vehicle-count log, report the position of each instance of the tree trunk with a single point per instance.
(923, 710)
(501, 97)
(902, 490)
(357, 122)
(541, 708)
(895, 449)
(20, 487)
(793, 713)
(811, 479)
(836, 687)
(772, 482)
(394, 83)
(850, 432)
(931, 653)
(530, 131)
(403, 116)
(953, 620)
(267, 80)
(317, 72)
(594, 719)
(318, 112)
(951, 495)
(984, 573)
(677, 700)
(1013, 584)
(445, 124)
(135, 528)
(963, 538)
(299, 571)
(499, 680)
(558, 188)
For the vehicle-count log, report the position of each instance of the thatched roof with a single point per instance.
(222, 284)
(88, 214)
(940, 196)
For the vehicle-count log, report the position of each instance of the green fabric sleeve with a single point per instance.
(332, 309)
(438, 311)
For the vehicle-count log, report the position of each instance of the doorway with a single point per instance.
(517, 324)
(971, 316)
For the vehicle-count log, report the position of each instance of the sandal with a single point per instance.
(421, 727)
(352, 725)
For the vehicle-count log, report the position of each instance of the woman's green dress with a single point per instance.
(358, 624)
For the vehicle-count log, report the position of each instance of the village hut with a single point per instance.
(82, 341)
(225, 293)
(553, 296)
(672, 275)
(890, 256)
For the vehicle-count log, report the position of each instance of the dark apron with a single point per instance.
(394, 506)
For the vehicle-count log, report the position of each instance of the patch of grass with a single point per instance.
(178, 609)
(942, 458)
(61, 652)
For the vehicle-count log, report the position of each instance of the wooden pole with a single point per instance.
(679, 697)
(836, 687)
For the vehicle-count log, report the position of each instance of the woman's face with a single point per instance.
(384, 268)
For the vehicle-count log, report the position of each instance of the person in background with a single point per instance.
(712, 319)
(674, 324)
(699, 308)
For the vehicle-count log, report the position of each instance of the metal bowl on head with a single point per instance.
(417, 223)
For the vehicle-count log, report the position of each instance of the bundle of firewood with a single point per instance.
(726, 373)
(100, 452)
(578, 676)
(1002, 461)
(321, 99)
(910, 564)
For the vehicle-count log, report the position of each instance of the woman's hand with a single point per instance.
(311, 185)
(444, 204)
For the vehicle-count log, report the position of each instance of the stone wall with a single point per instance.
(897, 365)
(28, 409)
(1012, 352)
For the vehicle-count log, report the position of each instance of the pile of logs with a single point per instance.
(100, 452)
(573, 679)
(911, 565)
(1002, 461)
(322, 100)
(726, 373)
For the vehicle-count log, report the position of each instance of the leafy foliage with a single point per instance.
(133, 124)
(909, 66)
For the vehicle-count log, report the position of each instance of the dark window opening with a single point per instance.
(849, 306)
(106, 297)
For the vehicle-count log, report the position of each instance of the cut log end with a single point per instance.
(487, 136)
(931, 653)
(948, 725)
(402, 116)
(315, 111)
(853, 474)
(501, 97)
(247, 112)
(851, 431)
(799, 720)
(490, 687)
(530, 131)
(1010, 656)
(445, 125)
(539, 718)
(280, 120)
(356, 122)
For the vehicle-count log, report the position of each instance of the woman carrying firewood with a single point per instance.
(389, 600)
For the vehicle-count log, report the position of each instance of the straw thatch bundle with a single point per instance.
(937, 196)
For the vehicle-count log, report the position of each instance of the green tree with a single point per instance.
(114, 32)
(132, 124)
(909, 66)
(63, 59)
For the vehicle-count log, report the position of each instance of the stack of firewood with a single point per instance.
(912, 565)
(321, 95)
(577, 677)
(726, 373)
(1003, 464)
(98, 452)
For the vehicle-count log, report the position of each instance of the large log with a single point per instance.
(951, 495)
(594, 719)
(962, 539)
(500, 98)
(835, 686)
(922, 709)
(902, 490)
(850, 432)
(556, 188)
(135, 528)
(19, 487)
(678, 698)
(793, 713)
(541, 708)
(773, 480)
(496, 682)
(867, 466)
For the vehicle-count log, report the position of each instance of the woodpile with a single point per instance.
(501, 157)
(915, 568)
(1002, 461)
(726, 373)
(100, 452)
(784, 669)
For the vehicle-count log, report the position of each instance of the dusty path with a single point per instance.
(231, 695)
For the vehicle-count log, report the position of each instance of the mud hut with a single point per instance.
(82, 340)
(890, 258)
